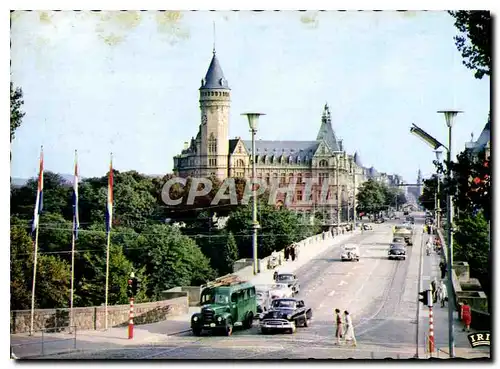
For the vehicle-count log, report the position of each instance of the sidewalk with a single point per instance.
(462, 346)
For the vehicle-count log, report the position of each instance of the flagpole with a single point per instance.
(34, 282)
(71, 321)
(36, 219)
(107, 253)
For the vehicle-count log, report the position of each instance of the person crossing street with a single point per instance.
(338, 324)
(349, 329)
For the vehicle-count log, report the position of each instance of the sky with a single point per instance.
(127, 83)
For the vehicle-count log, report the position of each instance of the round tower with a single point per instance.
(215, 101)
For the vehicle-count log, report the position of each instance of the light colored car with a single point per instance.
(263, 300)
(350, 252)
(280, 291)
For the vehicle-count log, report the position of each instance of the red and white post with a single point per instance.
(431, 324)
(131, 320)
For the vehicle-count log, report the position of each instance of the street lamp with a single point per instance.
(437, 206)
(253, 122)
(449, 116)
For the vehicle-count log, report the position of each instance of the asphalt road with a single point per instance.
(380, 295)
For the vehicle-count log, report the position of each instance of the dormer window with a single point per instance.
(221, 81)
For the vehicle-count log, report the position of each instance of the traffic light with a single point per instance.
(130, 288)
(425, 297)
(136, 284)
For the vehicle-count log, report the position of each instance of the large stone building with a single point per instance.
(324, 159)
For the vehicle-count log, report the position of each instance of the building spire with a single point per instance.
(214, 39)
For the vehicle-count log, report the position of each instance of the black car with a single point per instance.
(290, 280)
(285, 315)
(397, 251)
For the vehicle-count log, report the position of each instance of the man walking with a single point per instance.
(442, 267)
(338, 323)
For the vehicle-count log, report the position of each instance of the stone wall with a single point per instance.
(94, 317)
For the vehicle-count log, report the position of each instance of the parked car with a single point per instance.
(349, 252)
(367, 227)
(290, 280)
(397, 251)
(399, 240)
(379, 221)
(286, 315)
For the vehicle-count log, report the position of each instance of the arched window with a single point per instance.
(290, 178)
(268, 178)
(275, 177)
(212, 144)
(298, 159)
(323, 163)
(290, 160)
(240, 163)
(283, 178)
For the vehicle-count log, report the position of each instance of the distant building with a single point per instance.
(211, 152)
(482, 143)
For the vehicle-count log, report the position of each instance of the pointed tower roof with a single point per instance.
(326, 131)
(214, 79)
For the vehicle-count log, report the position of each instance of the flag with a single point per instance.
(109, 207)
(76, 220)
(39, 196)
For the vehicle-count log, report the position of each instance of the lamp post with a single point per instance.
(339, 195)
(253, 121)
(449, 116)
(354, 197)
(439, 154)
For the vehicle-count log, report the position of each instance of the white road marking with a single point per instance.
(331, 294)
(342, 283)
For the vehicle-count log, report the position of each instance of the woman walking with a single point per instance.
(349, 329)
(466, 316)
(442, 293)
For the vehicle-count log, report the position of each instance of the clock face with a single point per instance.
(204, 119)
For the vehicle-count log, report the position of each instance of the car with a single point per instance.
(349, 252)
(367, 227)
(289, 279)
(379, 221)
(280, 291)
(263, 299)
(285, 315)
(397, 251)
(399, 240)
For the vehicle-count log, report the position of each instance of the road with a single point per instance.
(380, 295)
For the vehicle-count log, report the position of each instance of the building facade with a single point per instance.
(336, 175)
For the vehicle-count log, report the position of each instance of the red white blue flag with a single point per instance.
(39, 196)
(109, 206)
(76, 220)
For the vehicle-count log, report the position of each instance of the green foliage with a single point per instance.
(371, 197)
(427, 199)
(474, 40)
(53, 274)
(171, 259)
(230, 254)
(16, 114)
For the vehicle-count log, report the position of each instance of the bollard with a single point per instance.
(131, 320)
(431, 327)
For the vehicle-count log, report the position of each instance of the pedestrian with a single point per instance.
(466, 316)
(434, 286)
(338, 324)
(443, 293)
(275, 275)
(349, 329)
(442, 267)
(292, 253)
(287, 253)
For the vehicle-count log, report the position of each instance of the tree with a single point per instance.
(171, 259)
(371, 197)
(16, 114)
(474, 40)
(229, 254)
(53, 274)
(427, 199)
(472, 245)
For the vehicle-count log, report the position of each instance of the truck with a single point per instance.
(225, 303)
(405, 231)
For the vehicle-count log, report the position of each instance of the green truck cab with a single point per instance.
(225, 303)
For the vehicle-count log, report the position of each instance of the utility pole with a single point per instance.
(339, 200)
